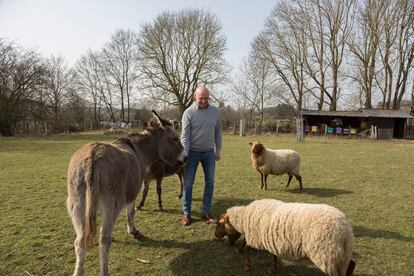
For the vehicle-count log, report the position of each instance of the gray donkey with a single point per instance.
(157, 171)
(106, 177)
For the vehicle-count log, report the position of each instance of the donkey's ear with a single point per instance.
(157, 118)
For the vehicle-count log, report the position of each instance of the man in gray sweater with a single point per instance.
(201, 139)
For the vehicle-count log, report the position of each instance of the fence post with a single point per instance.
(277, 127)
(299, 130)
(242, 127)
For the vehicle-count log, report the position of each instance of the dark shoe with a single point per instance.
(186, 220)
(208, 218)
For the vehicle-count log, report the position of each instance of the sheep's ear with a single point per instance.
(224, 218)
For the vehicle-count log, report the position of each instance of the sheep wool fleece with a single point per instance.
(296, 231)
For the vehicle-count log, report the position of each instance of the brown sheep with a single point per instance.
(276, 162)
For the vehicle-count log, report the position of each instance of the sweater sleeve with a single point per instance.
(218, 136)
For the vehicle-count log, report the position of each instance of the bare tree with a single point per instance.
(337, 18)
(91, 77)
(57, 83)
(284, 45)
(412, 99)
(257, 84)
(119, 58)
(21, 77)
(77, 109)
(85, 80)
(178, 51)
(384, 79)
(396, 50)
(405, 49)
(364, 45)
(316, 64)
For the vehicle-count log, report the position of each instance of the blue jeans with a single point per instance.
(208, 161)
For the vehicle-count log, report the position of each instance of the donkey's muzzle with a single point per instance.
(182, 161)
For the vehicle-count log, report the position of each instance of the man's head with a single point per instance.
(201, 96)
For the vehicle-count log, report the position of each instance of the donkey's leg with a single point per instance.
(265, 181)
(80, 250)
(159, 191)
(109, 216)
(181, 178)
(130, 222)
(77, 215)
(144, 194)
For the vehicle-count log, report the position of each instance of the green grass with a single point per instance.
(372, 182)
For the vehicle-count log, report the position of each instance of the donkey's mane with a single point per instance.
(125, 141)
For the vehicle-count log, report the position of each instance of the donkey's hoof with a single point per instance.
(137, 235)
(179, 196)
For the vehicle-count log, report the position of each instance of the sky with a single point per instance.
(70, 27)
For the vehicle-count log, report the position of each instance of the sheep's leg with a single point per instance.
(265, 181)
(248, 263)
(272, 269)
(242, 246)
(181, 178)
(299, 178)
(290, 178)
(351, 268)
(159, 191)
(261, 178)
(144, 194)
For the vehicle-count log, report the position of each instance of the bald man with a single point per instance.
(201, 139)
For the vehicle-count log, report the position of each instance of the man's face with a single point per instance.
(201, 98)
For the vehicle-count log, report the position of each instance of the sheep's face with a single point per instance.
(224, 228)
(257, 148)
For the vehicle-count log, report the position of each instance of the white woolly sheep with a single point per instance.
(276, 162)
(292, 231)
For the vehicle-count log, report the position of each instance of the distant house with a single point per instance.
(387, 123)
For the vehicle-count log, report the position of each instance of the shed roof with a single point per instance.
(362, 113)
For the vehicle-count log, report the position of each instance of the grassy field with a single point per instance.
(372, 182)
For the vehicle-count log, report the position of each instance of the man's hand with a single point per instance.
(218, 157)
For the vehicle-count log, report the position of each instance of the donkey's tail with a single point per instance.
(91, 200)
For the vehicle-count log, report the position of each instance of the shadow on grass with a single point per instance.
(219, 258)
(361, 231)
(320, 192)
(222, 204)
(156, 210)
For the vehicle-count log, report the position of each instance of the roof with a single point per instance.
(362, 113)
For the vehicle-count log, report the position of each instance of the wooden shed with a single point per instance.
(387, 123)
